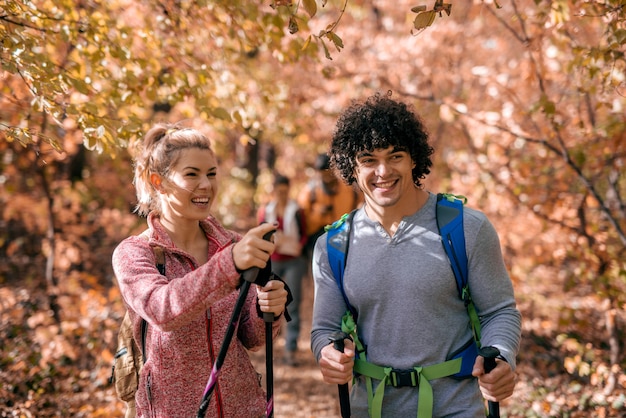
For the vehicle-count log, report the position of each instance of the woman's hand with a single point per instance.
(272, 297)
(253, 250)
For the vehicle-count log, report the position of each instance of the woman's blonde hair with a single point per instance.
(158, 153)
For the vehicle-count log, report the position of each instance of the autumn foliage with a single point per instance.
(525, 102)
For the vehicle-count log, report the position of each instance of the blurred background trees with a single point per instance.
(524, 100)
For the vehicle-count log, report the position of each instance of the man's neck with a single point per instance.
(391, 216)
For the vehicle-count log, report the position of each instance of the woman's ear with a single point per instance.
(155, 180)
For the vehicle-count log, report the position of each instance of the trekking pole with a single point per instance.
(268, 317)
(490, 354)
(249, 276)
(337, 338)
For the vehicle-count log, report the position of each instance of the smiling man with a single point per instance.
(399, 293)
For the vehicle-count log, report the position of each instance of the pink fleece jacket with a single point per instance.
(188, 312)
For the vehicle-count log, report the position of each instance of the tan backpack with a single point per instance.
(130, 356)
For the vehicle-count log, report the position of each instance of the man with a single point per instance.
(399, 280)
(324, 199)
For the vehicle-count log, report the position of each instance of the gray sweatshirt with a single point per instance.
(409, 310)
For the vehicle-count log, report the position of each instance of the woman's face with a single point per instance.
(191, 186)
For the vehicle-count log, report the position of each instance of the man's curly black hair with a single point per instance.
(379, 123)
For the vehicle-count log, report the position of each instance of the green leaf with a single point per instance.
(80, 85)
(547, 105)
(221, 113)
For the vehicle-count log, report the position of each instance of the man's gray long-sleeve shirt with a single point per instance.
(409, 310)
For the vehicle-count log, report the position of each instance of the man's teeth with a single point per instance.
(385, 184)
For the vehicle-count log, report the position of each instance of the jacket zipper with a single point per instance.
(149, 387)
(149, 393)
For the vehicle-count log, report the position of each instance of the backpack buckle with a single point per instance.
(402, 378)
(466, 296)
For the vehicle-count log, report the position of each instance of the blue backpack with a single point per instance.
(450, 225)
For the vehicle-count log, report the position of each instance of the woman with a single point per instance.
(188, 309)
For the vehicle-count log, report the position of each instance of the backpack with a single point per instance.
(460, 364)
(130, 357)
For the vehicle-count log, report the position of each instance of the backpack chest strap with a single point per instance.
(418, 377)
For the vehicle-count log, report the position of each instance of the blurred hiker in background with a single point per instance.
(288, 260)
(324, 199)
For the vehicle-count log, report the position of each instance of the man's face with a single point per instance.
(384, 176)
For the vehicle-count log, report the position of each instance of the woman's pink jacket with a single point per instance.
(188, 312)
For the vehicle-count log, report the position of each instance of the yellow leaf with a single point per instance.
(306, 43)
(336, 40)
(221, 113)
(311, 7)
(424, 19)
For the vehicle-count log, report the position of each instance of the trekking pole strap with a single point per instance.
(418, 377)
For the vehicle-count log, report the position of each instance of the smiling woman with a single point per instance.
(188, 306)
(161, 152)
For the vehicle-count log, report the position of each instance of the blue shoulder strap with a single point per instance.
(450, 224)
(337, 242)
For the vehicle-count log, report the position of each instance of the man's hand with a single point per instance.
(497, 384)
(336, 367)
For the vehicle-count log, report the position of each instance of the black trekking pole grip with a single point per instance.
(490, 354)
(268, 316)
(252, 273)
(338, 339)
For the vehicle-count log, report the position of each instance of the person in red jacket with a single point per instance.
(188, 309)
(288, 261)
